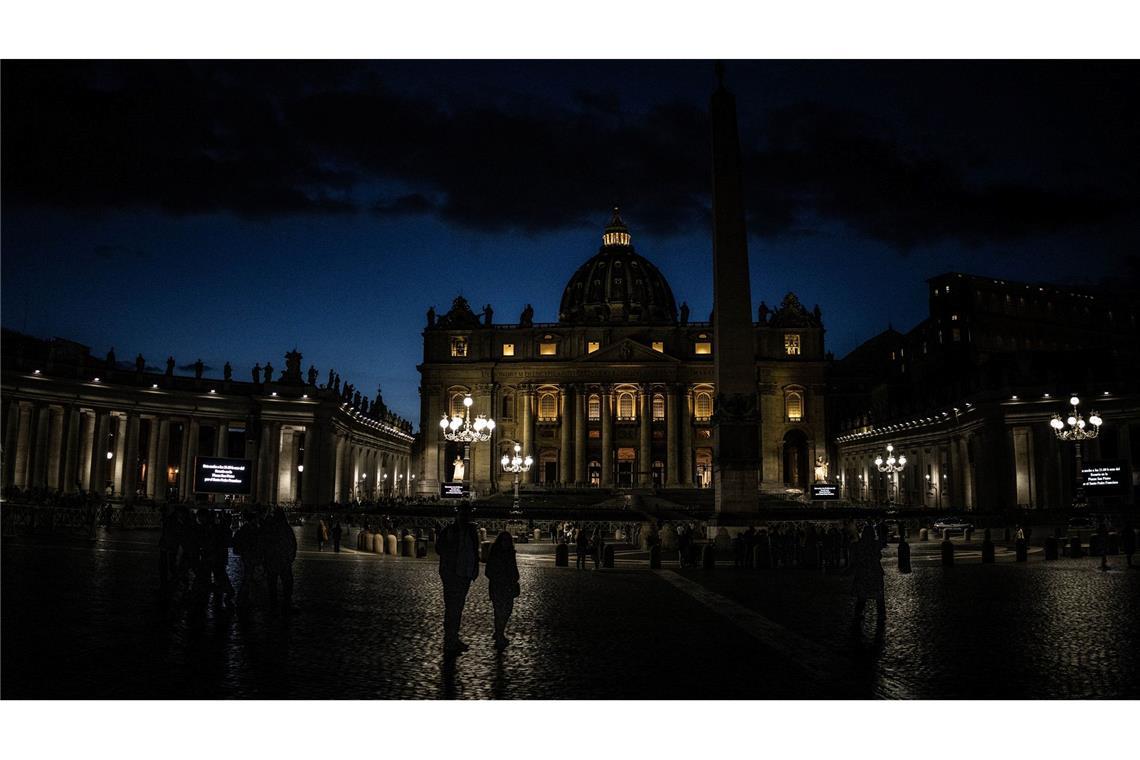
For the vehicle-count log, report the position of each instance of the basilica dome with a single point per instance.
(617, 285)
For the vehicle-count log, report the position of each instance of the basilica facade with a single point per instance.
(619, 392)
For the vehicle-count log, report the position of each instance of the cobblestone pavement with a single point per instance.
(84, 619)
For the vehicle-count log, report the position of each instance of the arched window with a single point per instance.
(456, 405)
(794, 405)
(626, 405)
(702, 405)
(594, 407)
(548, 407)
(508, 407)
(658, 407)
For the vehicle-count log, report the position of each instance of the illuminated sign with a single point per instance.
(220, 475)
(1106, 478)
(452, 491)
(824, 492)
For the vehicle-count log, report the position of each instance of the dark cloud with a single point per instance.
(279, 138)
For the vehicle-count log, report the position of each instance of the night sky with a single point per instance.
(235, 211)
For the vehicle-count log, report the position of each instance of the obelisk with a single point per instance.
(736, 422)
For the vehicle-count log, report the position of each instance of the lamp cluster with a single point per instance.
(517, 463)
(1078, 429)
(461, 427)
(890, 464)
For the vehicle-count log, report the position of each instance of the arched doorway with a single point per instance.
(795, 459)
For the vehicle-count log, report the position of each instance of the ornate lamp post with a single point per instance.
(461, 429)
(1077, 431)
(891, 466)
(516, 464)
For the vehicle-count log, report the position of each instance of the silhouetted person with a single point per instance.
(336, 531)
(503, 584)
(221, 538)
(866, 555)
(684, 539)
(583, 548)
(278, 550)
(458, 550)
(322, 535)
(246, 546)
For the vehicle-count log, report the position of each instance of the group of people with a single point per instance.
(194, 551)
(326, 535)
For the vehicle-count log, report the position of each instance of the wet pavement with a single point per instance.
(84, 620)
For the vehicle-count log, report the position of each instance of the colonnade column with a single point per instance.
(40, 455)
(189, 451)
(686, 423)
(644, 450)
(131, 463)
(580, 433)
(309, 480)
(264, 462)
(483, 454)
(86, 445)
(120, 459)
(99, 453)
(55, 447)
(11, 427)
(222, 439)
(565, 416)
(152, 475)
(23, 440)
(607, 437)
(69, 475)
(526, 395)
(671, 474)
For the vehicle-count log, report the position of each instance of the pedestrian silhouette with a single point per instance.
(503, 584)
(583, 546)
(336, 532)
(458, 550)
(322, 535)
(278, 550)
(866, 555)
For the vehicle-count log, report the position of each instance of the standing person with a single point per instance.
(336, 531)
(246, 547)
(221, 540)
(866, 554)
(684, 538)
(458, 550)
(503, 584)
(583, 544)
(596, 546)
(278, 550)
(322, 534)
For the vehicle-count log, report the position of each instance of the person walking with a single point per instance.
(278, 546)
(866, 556)
(458, 550)
(322, 534)
(503, 584)
(583, 545)
(336, 532)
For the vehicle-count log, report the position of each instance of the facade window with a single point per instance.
(702, 347)
(594, 407)
(456, 405)
(953, 317)
(548, 408)
(957, 335)
(791, 344)
(659, 346)
(626, 405)
(702, 405)
(592, 346)
(794, 406)
(508, 407)
(459, 346)
(508, 349)
(658, 407)
(547, 349)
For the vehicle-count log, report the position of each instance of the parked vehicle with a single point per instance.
(952, 524)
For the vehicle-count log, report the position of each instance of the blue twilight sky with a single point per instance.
(234, 211)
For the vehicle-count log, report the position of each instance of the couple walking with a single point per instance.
(458, 550)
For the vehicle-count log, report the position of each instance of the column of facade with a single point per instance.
(308, 477)
(672, 478)
(152, 474)
(275, 463)
(285, 465)
(483, 454)
(55, 447)
(581, 398)
(264, 477)
(607, 437)
(120, 460)
(189, 452)
(69, 467)
(131, 465)
(40, 450)
(221, 439)
(686, 423)
(86, 443)
(347, 486)
(11, 427)
(526, 396)
(565, 429)
(102, 429)
(23, 445)
(644, 449)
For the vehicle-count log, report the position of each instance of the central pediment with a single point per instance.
(628, 351)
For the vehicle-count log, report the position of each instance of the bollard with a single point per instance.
(421, 549)
(1075, 547)
(923, 535)
(947, 553)
(482, 535)
(904, 555)
(390, 544)
(1022, 550)
(608, 556)
(377, 543)
(537, 534)
(708, 557)
(562, 555)
(655, 557)
(409, 547)
(988, 548)
(1051, 549)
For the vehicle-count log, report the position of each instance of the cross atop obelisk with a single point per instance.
(736, 453)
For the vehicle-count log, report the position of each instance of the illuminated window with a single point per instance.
(459, 347)
(548, 407)
(659, 346)
(702, 347)
(658, 407)
(953, 317)
(456, 405)
(548, 349)
(594, 407)
(592, 346)
(791, 344)
(508, 349)
(625, 405)
(957, 334)
(702, 405)
(794, 406)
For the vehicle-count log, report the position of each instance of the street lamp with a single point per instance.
(891, 466)
(461, 429)
(516, 464)
(1076, 432)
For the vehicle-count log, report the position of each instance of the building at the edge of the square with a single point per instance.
(619, 392)
(968, 394)
(74, 422)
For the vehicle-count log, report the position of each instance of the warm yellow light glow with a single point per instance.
(548, 349)
(592, 346)
(702, 347)
(659, 346)
(791, 344)
(508, 349)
